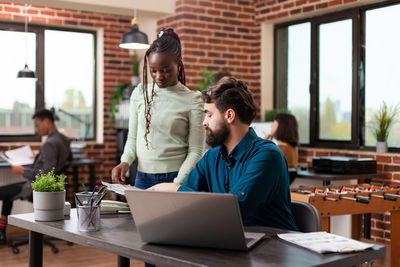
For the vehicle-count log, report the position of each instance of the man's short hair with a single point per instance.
(219, 75)
(230, 93)
(44, 114)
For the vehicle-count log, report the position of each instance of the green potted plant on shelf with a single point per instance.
(123, 91)
(48, 196)
(206, 79)
(383, 121)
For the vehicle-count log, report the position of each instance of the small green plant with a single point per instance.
(383, 121)
(116, 98)
(49, 182)
(269, 115)
(206, 79)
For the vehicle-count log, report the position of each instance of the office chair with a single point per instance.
(292, 175)
(306, 216)
(16, 242)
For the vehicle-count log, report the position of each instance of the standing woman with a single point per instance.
(165, 119)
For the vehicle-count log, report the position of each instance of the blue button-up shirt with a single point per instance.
(256, 172)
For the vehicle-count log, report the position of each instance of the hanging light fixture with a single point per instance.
(26, 72)
(134, 39)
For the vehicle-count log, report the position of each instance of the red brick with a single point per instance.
(335, 2)
(12, 9)
(47, 13)
(5, 16)
(385, 159)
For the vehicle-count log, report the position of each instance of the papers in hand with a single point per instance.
(119, 188)
(323, 242)
(19, 156)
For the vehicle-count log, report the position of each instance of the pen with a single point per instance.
(84, 188)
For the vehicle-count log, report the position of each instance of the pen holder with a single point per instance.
(84, 198)
(88, 218)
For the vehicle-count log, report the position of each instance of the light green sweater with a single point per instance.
(176, 137)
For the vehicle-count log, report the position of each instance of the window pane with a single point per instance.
(382, 68)
(69, 80)
(299, 77)
(335, 80)
(18, 95)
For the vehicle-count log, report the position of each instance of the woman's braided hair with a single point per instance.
(167, 42)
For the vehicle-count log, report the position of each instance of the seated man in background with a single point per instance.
(240, 162)
(54, 153)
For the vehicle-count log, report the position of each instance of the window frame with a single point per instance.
(39, 30)
(357, 15)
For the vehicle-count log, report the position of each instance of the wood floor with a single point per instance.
(68, 256)
(76, 255)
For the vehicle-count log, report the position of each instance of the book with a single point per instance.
(323, 242)
(19, 156)
(119, 188)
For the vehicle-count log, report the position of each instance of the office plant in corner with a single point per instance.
(382, 123)
(48, 196)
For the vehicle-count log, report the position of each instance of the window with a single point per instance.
(339, 68)
(64, 61)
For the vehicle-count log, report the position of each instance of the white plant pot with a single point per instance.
(48, 206)
(381, 147)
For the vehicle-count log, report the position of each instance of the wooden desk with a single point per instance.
(326, 178)
(118, 235)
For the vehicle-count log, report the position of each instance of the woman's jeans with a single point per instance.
(146, 180)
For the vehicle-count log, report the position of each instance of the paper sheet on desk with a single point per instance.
(119, 188)
(19, 156)
(323, 242)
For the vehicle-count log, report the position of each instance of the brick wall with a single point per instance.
(278, 9)
(117, 69)
(218, 35)
(388, 164)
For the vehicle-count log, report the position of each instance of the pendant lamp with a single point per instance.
(26, 72)
(134, 39)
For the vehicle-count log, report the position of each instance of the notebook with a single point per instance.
(190, 219)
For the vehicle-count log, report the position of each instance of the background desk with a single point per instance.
(326, 178)
(74, 165)
(118, 235)
(82, 162)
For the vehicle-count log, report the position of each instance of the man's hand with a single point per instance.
(165, 187)
(119, 172)
(17, 169)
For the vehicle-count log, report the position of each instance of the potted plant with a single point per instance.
(382, 123)
(206, 79)
(48, 196)
(124, 90)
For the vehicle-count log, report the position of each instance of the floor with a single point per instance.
(75, 255)
(68, 255)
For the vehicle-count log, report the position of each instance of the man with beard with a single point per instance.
(240, 162)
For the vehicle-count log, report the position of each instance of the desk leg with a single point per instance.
(395, 238)
(91, 176)
(123, 262)
(326, 224)
(367, 225)
(75, 168)
(35, 249)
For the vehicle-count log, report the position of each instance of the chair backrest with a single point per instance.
(292, 174)
(307, 216)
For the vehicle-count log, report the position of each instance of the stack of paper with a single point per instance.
(119, 188)
(323, 242)
(19, 156)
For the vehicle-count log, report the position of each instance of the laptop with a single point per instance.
(190, 219)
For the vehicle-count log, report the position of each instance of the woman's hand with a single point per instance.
(118, 173)
(17, 169)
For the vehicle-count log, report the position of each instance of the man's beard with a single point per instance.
(218, 136)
